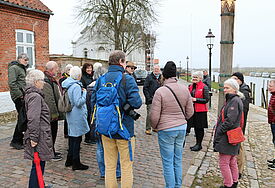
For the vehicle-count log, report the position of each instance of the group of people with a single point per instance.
(172, 109)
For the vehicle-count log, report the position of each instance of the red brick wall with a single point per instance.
(12, 19)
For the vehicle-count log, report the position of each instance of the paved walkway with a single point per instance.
(14, 170)
(6, 104)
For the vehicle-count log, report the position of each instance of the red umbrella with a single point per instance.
(36, 160)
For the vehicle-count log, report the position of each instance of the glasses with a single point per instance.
(133, 68)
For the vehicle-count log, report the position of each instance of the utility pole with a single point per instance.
(227, 41)
(187, 61)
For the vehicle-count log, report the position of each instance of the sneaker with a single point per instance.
(118, 178)
(57, 158)
(271, 166)
(148, 132)
(272, 161)
(16, 146)
(102, 177)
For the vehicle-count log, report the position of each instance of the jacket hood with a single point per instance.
(230, 96)
(69, 82)
(18, 64)
(33, 89)
(170, 80)
(245, 87)
(115, 68)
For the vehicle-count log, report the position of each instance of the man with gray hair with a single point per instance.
(17, 84)
(151, 84)
(52, 94)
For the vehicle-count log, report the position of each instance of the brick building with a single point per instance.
(24, 28)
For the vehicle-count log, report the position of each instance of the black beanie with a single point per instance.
(239, 75)
(170, 70)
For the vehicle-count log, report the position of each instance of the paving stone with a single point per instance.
(192, 170)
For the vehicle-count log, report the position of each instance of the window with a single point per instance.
(25, 44)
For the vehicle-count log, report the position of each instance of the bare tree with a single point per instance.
(121, 22)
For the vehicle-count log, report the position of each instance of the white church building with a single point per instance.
(92, 46)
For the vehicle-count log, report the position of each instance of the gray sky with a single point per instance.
(183, 25)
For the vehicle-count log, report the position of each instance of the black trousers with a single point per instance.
(65, 127)
(74, 148)
(54, 129)
(199, 135)
(18, 135)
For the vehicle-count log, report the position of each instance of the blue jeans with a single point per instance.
(33, 182)
(273, 133)
(171, 148)
(100, 159)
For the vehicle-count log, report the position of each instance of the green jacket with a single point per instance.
(16, 79)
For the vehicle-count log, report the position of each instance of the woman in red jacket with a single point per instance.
(200, 93)
(271, 117)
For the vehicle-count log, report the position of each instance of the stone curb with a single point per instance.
(8, 117)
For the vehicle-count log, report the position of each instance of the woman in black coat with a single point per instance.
(229, 118)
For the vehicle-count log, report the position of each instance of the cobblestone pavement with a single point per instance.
(258, 148)
(6, 104)
(14, 170)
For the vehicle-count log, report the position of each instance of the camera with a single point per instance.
(129, 111)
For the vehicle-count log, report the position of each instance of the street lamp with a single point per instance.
(187, 59)
(210, 39)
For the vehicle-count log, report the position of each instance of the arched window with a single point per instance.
(101, 48)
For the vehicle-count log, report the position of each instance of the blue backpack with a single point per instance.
(107, 116)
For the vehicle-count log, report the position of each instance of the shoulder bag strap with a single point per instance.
(176, 99)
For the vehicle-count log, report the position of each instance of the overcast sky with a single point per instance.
(181, 31)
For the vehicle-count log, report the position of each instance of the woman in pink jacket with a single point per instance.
(171, 107)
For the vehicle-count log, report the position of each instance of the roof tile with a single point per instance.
(33, 4)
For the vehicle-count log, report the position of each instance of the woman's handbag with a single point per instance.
(235, 136)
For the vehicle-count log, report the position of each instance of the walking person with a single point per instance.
(86, 80)
(238, 76)
(52, 92)
(200, 96)
(114, 145)
(171, 107)
(17, 83)
(151, 84)
(38, 115)
(229, 118)
(65, 75)
(77, 118)
(271, 119)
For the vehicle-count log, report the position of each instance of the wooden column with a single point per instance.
(227, 41)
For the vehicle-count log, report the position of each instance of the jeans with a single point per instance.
(111, 149)
(74, 148)
(18, 135)
(33, 182)
(171, 148)
(229, 169)
(273, 133)
(100, 159)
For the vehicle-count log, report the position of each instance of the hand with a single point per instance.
(194, 99)
(83, 89)
(33, 144)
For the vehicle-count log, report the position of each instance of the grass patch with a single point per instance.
(215, 85)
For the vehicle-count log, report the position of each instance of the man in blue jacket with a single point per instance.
(128, 94)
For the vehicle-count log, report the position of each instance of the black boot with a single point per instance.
(77, 165)
(225, 186)
(196, 147)
(193, 146)
(69, 161)
(235, 184)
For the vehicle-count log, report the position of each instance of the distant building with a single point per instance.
(92, 45)
(24, 28)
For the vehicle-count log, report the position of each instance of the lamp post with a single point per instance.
(210, 38)
(187, 60)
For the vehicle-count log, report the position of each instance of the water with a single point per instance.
(259, 84)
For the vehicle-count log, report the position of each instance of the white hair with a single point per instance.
(198, 74)
(33, 76)
(234, 84)
(75, 72)
(98, 70)
(68, 68)
(50, 65)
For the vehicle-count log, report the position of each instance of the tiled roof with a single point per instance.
(30, 4)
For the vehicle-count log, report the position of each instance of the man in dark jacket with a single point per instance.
(238, 76)
(51, 92)
(206, 79)
(151, 84)
(128, 94)
(17, 84)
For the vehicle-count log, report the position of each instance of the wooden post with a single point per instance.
(227, 41)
